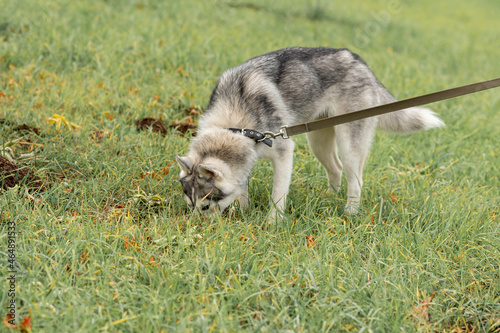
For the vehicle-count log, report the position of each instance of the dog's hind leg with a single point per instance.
(354, 140)
(324, 147)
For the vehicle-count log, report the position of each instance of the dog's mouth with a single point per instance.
(211, 209)
(206, 208)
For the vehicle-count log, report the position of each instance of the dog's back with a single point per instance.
(291, 85)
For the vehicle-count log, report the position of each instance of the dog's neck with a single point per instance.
(231, 148)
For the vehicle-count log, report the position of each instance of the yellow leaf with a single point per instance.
(52, 284)
(116, 322)
(59, 120)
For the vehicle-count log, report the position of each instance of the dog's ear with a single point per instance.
(208, 172)
(185, 164)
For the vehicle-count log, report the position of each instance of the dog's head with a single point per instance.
(209, 185)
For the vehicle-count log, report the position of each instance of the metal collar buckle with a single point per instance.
(282, 133)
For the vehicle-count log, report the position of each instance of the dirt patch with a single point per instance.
(27, 128)
(24, 128)
(5, 122)
(98, 135)
(185, 126)
(12, 175)
(157, 125)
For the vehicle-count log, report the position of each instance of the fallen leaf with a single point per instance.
(165, 170)
(59, 120)
(193, 111)
(152, 261)
(26, 324)
(153, 175)
(131, 244)
(182, 72)
(421, 311)
(311, 240)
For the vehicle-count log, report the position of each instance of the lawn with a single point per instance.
(110, 244)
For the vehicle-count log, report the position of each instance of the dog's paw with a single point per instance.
(351, 209)
(274, 216)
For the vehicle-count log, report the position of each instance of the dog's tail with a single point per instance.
(409, 120)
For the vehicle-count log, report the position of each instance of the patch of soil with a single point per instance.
(12, 175)
(24, 128)
(5, 122)
(183, 127)
(98, 135)
(157, 124)
(27, 128)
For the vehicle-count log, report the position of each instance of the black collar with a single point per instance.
(253, 134)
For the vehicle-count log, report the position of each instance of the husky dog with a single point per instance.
(288, 87)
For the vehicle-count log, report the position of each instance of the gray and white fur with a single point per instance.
(288, 87)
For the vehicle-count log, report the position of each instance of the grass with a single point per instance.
(112, 247)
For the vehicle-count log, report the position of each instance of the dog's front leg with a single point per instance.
(282, 164)
(242, 202)
(243, 198)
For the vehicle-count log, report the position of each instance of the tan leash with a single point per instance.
(287, 131)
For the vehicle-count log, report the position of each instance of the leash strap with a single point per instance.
(287, 131)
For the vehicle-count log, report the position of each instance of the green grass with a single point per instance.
(95, 253)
